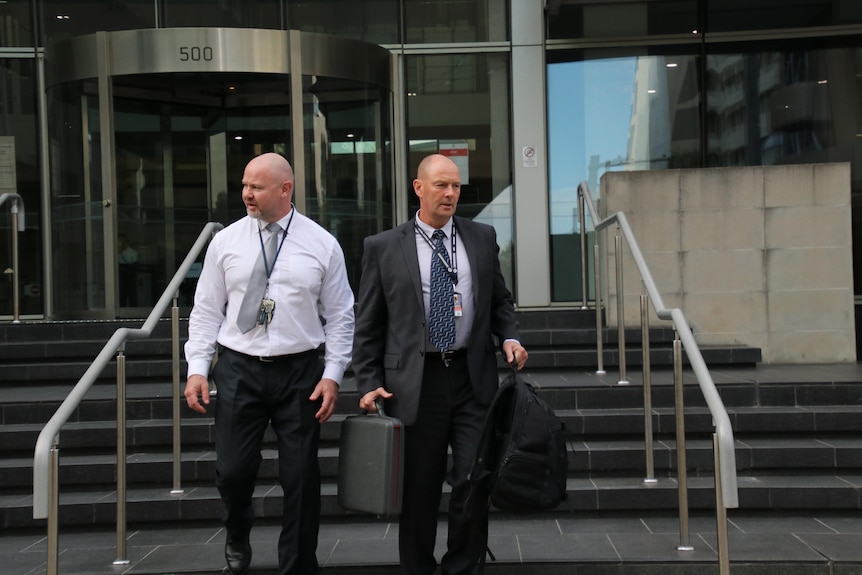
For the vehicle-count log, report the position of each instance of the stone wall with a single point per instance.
(760, 256)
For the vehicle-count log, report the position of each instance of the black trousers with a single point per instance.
(251, 395)
(449, 415)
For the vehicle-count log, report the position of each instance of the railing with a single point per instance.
(726, 494)
(17, 226)
(46, 457)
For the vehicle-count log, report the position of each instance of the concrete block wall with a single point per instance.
(759, 256)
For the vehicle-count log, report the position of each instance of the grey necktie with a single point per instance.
(249, 310)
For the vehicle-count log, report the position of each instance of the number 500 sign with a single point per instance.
(196, 54)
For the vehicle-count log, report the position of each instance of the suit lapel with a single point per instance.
(408, 248)
(473, 247)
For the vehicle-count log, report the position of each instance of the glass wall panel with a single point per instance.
(63, 19)
(596, 19)
(16, 23)
(445, 21)
(222, 14)
(375, 21)
(349, 188)
(612, 114)
(20, 174)
(458, 105)
(736, 15)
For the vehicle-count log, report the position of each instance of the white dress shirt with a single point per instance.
(424, 252)
(308, 282)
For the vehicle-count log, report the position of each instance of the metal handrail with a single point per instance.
(727, 458)
(17, 226)
(44, 478)
(726, 492)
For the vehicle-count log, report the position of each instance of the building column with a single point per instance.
(530, 161)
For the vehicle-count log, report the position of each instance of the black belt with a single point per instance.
(446, 356)
(271, 358)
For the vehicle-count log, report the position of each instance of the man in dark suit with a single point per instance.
(440, 389)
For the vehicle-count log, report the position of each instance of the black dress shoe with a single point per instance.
(237, 553)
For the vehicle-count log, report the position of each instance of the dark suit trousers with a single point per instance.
(251, 395)
(448, 415)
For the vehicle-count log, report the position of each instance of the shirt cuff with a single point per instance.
(335, 373)
(198, 367)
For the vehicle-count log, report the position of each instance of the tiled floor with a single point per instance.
(807, 543)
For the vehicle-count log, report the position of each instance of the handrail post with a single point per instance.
(15, 293)
(681, 467)
(175, 369)
(621, 331)
(582, 220)
(121, 457)
(599, 331)
(648, 440)
(720, 512)
(54, 513)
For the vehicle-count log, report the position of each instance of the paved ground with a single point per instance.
(758, 543)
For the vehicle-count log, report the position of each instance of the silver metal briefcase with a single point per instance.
(371, 464)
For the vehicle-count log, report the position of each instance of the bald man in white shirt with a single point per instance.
(270, 372)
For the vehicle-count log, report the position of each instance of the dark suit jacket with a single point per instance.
(389, 342)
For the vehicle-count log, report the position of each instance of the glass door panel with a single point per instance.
(182, 142)
(348, 165)
(76, 199)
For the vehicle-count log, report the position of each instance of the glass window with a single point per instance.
(458, 105)
(446, 21)
(19, 173)
(375, 21)
(223, 14)
(735, 15)
(613, 114)
(16, 23)
(66, 19)
(597, 19)
(348, 183)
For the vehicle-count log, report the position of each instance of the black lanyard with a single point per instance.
(266, 267)
(452, 270)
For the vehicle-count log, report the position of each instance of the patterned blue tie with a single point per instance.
(441, 317)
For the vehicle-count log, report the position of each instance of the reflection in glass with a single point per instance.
(604, 19)
(77, 213)
(375, 21)
(222, 13)
(458, 105)
(613, 114)
(19, 173)
(62, 20)
(446, 21)
(348, 169)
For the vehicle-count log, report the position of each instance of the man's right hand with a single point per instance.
(366, 403)
(197, 386)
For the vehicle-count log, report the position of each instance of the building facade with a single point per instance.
(124, 126)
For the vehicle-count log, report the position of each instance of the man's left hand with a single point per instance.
(515, 353)
(328, 390)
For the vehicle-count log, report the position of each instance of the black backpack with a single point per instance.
(522, 461)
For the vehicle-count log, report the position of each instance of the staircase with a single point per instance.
(798, 438)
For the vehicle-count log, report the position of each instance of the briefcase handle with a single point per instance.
(378, 403)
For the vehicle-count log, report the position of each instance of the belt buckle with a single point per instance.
(447, 356)
(265, 359)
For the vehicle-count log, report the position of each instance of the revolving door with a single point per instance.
(150, 130)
